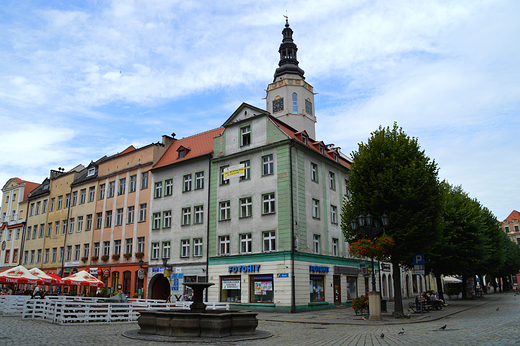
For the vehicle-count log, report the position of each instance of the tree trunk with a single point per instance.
(439, 286)
(464, 286)
(398, 297)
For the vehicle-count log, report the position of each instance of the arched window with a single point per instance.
(295, 103)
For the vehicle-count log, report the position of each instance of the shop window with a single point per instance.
(262, 289)
(230, 289)
(351, 287)
(317, 284)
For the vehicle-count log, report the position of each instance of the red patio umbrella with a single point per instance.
(83, 278)
(59, 280)
(19, 275)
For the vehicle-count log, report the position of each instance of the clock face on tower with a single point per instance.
(278, 105)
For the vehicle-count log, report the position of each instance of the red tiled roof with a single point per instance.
(127, 150)
(296, 135)
(199, 144)
(513, 216)
(29, 186)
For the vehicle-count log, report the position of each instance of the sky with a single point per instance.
(84, 79)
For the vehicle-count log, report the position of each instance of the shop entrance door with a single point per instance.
(337, 289)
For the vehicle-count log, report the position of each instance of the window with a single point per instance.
(506, 228)
(91, 172)
(18, 233)
(316, 244)
(185, 248)
(60, 202)
(315, 208)
(516, 228)
(128, 245)
(80, 224)
(62, 250)
(133, 183)
(168, 187)
(166, 249)
(187, 183)
(144, 180)
(54, 254)
(77, 249)
(247, 173)
(308, 107)
(91, 193)
(245, 135)
(167, 216)
(186, 216)
(224, 245)
(225, 209)
(39, 256)
(332, 181)
(68, 256)
(96, 249)
(117, 247)
(140, 244)
(56, 228)
(86, 250)
(197, 247)
(7, 255)
(158, 190)
(101, 191)
(269, 241)
(199, 180)
(51, 208)
(42, 231)
(314, 172)
(156, 221)
(108, 219)
(245, 243)
(122, 186)
(223, 180)
(119, 216)
(322, 149)
(99, 220)
(199, 214)
(268, 202)
(106, 248)
(268, 165)
(111, 189)
(28, 237)
(25, 257)
(155, 250)
(88, 225)
(64, 227)
(44, 206)
(32, 256)
(334, 247)
(295, 103)
(67, 200)
(304, 139)
(31, 210)
(333, 214)
(74, 198)
(130, 214)
(82, 196)
(142, 212)
(71, 227)
(15, 255)
(246, 207)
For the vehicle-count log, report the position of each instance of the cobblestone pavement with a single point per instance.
(492, 321)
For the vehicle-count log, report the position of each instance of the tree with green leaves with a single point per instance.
(391, 174)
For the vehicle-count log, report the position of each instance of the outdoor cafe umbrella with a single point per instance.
(19, 275)
(83, 278)
(59, 279)
(47, 279)
(451, 280)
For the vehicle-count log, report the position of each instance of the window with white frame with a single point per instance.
(117, 247)
(158, 189)
(86, 250)
(168, 187)
(32, 256)
(247, 172)
(96, 249)
(316, 244)
(225, 210)
(199, 180)
(245, 243)
(108, 218)
(56, 228)
(54, 254)
(332, 181)
(74, 198)
(77, 249)
(246, 207)
(68, 255)
(166, 249)
(142, 212)
(197, 247)
(333, 214)
(199, 214)
(91, 194)
(61, 254)
(88, 225)
(39, 256)
(44, 206)
(167, 219)
(314, 172)
(71, 226)
(185, 248)
(269, 241)
(82, 196)
(99, 220)
(187, 183)
(335, 243)
(122, 186)
(268, 203)
(35, 231)
(60, 202)
(224, 245)
(119, 216)
(42, 231)
(111, 189)
(144, 180)
(45, 256)
(155, 250)
(49, 230)
(106, 248)
(128, 245)
(156, 221)
(133, 184)
(223, 181)
(101, 192)
(140, 244)
(267, 165)
(80, 224)
(186, 216)
(245, 135)
(51, 208)
(315, 208)
(295, 103)
(130, 211)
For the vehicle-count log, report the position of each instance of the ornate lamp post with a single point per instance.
(369, 227)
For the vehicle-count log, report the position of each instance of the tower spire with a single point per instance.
(288, 62)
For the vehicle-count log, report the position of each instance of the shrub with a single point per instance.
(360, 304)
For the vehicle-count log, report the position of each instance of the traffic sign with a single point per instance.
(418, 259)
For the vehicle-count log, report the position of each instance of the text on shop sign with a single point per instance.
(244, 269)
(318, 269)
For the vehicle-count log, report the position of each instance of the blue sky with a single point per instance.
(83, 79)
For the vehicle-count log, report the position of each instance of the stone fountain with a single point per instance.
(198, 322)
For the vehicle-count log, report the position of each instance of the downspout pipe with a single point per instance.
(67, 231)
(293, 278)
(207, 221)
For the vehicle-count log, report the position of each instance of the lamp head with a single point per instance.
(385, 219)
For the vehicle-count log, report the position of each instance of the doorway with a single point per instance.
(337, 289)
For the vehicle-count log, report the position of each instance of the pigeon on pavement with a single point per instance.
(382, 335)
(443, 327)
(402, 331)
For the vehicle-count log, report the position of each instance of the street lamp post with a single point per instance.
(369, 227)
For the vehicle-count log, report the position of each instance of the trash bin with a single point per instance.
(383, 305)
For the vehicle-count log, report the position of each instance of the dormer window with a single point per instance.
(182, 153)
(91, 172)
(245, 135)
(304, 139)
(336, 157)
(322, 149)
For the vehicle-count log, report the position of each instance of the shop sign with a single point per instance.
(230, 283)
(244, 269)
(93, 271)
(283, 275)
(234, 171)
(106, 273)
(318, 269)
(140, 273)
(385, 267)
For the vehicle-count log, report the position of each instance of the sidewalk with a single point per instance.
(345, 315)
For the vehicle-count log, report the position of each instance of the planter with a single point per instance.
(105, 258)
(84, 259)
(139, 254)
(94, 258)
(127, 255)
(116, 257)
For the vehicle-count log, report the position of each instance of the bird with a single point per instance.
(364, 318)
(443, 327)
(402, 331)
(382, 335)
(498, 309)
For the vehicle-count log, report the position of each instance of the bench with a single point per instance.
(425, 305)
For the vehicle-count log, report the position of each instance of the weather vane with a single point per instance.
(286, 17)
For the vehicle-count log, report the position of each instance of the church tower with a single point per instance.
(290, 98)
